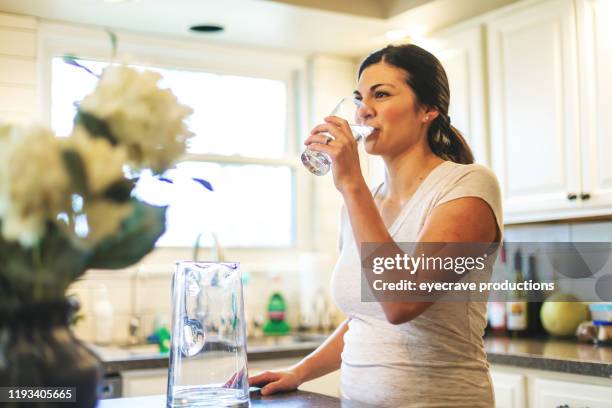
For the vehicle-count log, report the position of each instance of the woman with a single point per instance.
(404, 353)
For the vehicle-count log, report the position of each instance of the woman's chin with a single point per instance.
(369, 145)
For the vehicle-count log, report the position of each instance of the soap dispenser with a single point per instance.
(103, 316)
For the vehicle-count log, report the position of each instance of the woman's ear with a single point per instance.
(429, 114)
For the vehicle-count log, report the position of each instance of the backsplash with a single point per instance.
(144, 293)
(600, 231)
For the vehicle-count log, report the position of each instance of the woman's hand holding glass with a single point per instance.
(319, 161)
(334, 144)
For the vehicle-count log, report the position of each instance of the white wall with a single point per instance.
(23, 96)
(18, 79)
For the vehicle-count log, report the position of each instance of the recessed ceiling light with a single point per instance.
(206, 28)
(117, 1)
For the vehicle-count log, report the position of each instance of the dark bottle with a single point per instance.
(496, 308)
(496, 319)
(535, 298)
(517, 321)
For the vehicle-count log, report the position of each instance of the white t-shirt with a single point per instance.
(437, 359)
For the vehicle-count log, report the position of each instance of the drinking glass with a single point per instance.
(319, 163)
(208, 357)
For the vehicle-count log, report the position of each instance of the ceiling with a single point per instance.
(337, 27)
(365, 8)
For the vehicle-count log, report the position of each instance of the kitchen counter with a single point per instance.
(116, 359)
(293, 399)
(566, 356)
(545, 354)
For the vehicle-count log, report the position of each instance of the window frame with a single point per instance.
(57, 39)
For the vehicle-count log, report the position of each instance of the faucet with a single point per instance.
(217, 251)
(217, 256)
(135, 321)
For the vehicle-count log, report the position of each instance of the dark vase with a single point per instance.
(38, 349)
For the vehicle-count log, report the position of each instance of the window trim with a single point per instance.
(57, 39)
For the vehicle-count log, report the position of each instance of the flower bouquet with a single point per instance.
(66, 206)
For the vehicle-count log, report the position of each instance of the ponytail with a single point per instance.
(446, 142)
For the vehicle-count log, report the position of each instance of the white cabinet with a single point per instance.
(595, 56)
(328, 384)
(138, 383)
(532, 61)
(552, 393)
(461, 54)
(509, 389)
(550, 111)
(270, 365)
(522, 387)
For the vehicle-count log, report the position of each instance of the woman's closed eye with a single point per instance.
(380, 94)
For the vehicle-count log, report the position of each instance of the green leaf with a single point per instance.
(137, 238)
(119, 191)
(61, 257)
(113, 39)
(43, 272)
(73, 60)
(96, 127)
(204, 183)
(76, 168)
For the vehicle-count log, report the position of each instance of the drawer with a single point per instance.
(510, 389)
(552, 393)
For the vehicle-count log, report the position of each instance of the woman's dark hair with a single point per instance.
(427, 78)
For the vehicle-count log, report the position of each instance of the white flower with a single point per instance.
(103, 162)
(34, 184)
(148, 120)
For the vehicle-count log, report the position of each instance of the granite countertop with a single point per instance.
(566, 356)
(116, 359)
(294, 399)
(544, 354)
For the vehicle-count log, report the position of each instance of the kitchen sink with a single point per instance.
(141, 349)
(122, 352)
(288, 340)
(138, 351)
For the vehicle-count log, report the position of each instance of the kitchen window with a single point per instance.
(243, 145)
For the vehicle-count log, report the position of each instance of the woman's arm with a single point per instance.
(467, 219)
(325, 359)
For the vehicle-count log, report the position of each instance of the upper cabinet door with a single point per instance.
(461, 54)
(595, 50)
(534, 109)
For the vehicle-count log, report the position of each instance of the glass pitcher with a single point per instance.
(208, 364)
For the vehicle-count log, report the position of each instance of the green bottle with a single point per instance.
(276, 325)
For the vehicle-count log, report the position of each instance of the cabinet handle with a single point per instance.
(571, 196)
(585, 196)
(565, 406)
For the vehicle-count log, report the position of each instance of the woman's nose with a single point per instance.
(364, 112)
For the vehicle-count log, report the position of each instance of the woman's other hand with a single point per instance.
(342, 149)
(272, 382)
